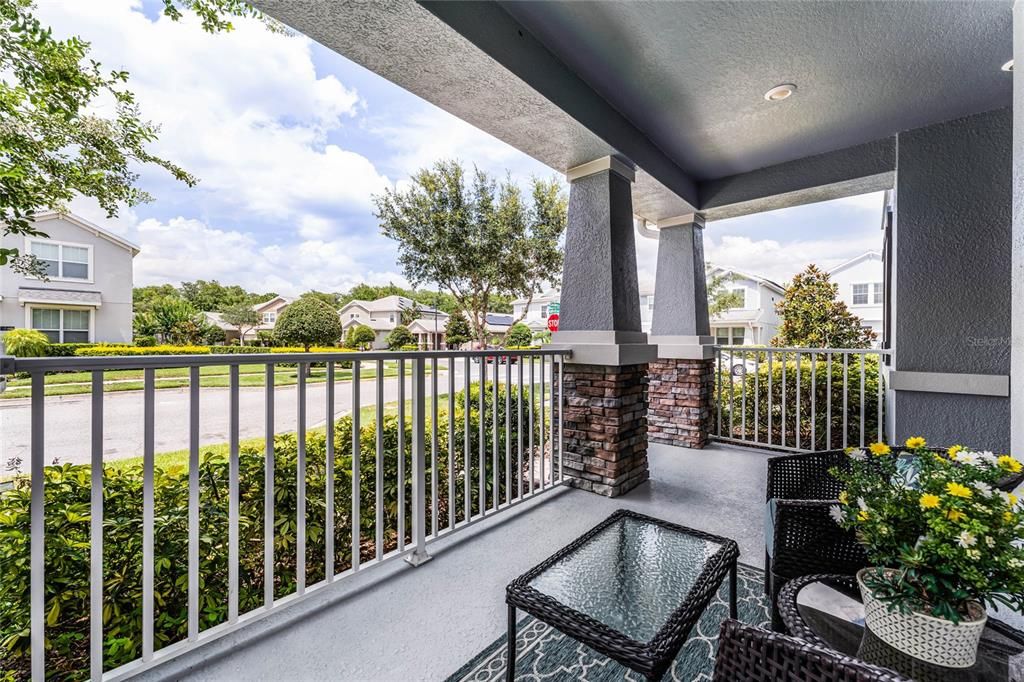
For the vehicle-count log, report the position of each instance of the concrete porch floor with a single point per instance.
(396, 622)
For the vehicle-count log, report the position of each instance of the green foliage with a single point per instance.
(229, 350)
(308, 322)
(720, 298)
(814, 317)
(144, 340)
(265, 337)
(940, 521)
(519, 335)
(68, 515)
(360, 337)
(25, 343)
(329, 299)
(458, 332)
(104, 350)
(400, 337)
(210, 296)
(750, 394)
(67, 350)
(411, 313)
(441, 300)
(474, 237)
(242, 317)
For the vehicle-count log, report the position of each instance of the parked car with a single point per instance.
(738, 363)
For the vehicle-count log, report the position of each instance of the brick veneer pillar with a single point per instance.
(605, 427)
(680, 394)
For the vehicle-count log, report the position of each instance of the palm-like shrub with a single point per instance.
(25, 343)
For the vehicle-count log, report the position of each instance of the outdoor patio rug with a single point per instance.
(545, 654)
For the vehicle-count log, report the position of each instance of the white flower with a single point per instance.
(858, 454)
(968, 458)
(988, 457)
(1015, 563)
(983, 488)
(974, 554)
(862, 504)
(965, 540)
(836, 512)
(1007, 499)
(990, 541)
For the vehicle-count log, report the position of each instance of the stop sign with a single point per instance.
(553, 322)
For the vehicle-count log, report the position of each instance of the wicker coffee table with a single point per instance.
(631, 588)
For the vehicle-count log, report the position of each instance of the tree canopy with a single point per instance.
(519, 335)
(308, 322)
(458, 331)
(400, 336)
(55, 143)
(360, 337)
(207, 295)
(814, 317)
(474, 237)
(242, 317)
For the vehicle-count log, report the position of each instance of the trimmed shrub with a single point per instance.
(399, 337)
(144, 340)
(65, 350)
(784, 414)
(25, 343)
(519, 335)
(68, 515)
(234, 350)
(101, 350)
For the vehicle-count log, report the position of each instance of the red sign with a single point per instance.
(553, 322)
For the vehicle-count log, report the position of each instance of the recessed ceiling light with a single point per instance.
(1008, 66)
(780, 92)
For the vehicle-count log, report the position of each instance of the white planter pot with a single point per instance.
(925, 637)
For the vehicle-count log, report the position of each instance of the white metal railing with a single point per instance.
(516, 456)
(799, 399)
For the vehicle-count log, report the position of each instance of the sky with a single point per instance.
(291, 141)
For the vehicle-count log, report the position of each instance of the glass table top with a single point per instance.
(630, 576)
(835, 613)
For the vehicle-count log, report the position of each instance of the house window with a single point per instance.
(63, 261)
(269, 318)
(730, 336)
(62, 326)
(878, 293)
(544, 312)
(860, 294)
(741, 294)
(391, 317)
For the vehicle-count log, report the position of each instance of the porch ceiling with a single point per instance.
(677, 87)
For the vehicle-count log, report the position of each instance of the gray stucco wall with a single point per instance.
(599, 285)
(952, 274)
(112, 277)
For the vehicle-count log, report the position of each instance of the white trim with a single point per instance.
(84, 224)
(49, 302)
(605, 163)
(90, 265)
(854, 261)
(695, 219)
(997, 385)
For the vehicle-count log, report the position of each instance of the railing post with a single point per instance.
(419, 424)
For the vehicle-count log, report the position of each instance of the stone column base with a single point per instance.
(605, 427)
(680, 394)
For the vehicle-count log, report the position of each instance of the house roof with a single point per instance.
(63, 296)
(426, 325)
(543, 297)
(391, 303)
(259, 307)
(726, 270)
(867, 255)
(84, 224)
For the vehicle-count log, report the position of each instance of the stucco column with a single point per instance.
(605, 421)
(681, 381)
(1017, 267)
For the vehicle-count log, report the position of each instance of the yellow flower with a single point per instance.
(954, 515)
(1009, 464)
(956, 450)
(915, 442)
(843, 497)
(863, 515)
(957, 490)
(879, 449)
(1011, 499)
(929, 501)
(1007, 516)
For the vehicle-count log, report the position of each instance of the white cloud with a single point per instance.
(245, 111)
(780, 261)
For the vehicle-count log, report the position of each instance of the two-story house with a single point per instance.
(754, 321)
(268, 312)
(384, 314)
(862, 287)
(87, 293)
(537, 309)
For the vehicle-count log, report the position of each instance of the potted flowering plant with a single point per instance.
(944, 542)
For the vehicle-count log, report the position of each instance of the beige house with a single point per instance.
(268, 311)
(384, 314)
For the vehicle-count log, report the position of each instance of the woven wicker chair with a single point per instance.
(800, 536)
(750, 654)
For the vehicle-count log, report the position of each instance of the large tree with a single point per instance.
(458, 331)
(213, 296)
(814, 317)
(308, 322)
(242, 317)
(474, 237)
(55, 141)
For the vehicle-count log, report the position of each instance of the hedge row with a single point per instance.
(101, 350)
(67, 532)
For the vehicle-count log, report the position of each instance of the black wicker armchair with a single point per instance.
(800, 535)
(750, 654)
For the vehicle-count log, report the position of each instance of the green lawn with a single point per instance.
(214, 376)
(179, 458)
